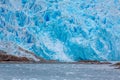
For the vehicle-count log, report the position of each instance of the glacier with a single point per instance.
(63, 30)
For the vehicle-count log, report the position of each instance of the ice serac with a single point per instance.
(65, 30)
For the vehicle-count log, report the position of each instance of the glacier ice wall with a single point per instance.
(64, 30)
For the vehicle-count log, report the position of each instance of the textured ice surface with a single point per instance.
(58, 72)
(63, 30)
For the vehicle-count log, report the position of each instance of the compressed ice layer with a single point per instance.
(64, 30)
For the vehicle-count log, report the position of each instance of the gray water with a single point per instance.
(58, 72)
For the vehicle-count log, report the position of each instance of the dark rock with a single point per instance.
(93, 62)
(6, 57)
(117, 65)
(28, 52)
(52, 61)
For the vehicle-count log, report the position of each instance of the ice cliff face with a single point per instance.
(64, 30)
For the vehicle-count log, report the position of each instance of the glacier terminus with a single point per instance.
(63, 30)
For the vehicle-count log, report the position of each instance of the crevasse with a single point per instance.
(64, 30)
